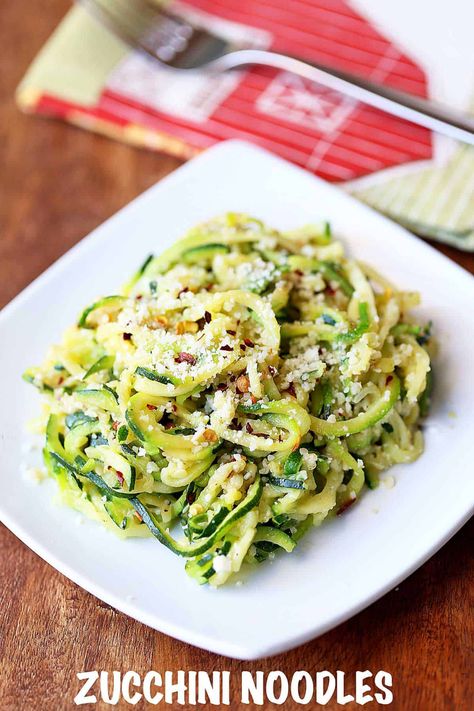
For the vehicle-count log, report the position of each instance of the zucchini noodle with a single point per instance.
(243, 387)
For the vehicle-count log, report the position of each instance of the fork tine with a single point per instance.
(172, 39)
(144, 25)
(124, 18)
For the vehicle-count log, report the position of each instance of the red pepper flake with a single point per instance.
(190, 497)
(185, 358)
(299, 272)
(209, 286)
(120, 478)
(61, 380)
(272, 370)
(135, 513)
(140, 296)
(249, 343)
(231, 332)
(183, 291)
(249, 428)
(168, 425)
(151, 407)
(226, 348)
(233, 378)
(345, 506)
(330, 290)
(242, 347)
(126, 336)
(115, 425)
(207, 316)
(222, 386)
(254, 399)
(235, 424)
(389, 379)
(291, 389)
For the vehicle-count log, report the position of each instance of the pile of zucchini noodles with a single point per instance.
(245, 384)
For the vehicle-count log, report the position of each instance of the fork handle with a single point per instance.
(423, 112)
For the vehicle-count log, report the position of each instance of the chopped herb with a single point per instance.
(182, 431)
(122, 433)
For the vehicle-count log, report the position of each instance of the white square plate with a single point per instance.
(341, 567)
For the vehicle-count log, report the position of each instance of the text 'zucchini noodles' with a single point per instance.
(244, 385)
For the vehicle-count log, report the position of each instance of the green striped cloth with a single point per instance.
(435, 201)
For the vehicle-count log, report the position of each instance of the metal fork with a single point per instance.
(177, 42)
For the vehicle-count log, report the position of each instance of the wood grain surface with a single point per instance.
(56, 184)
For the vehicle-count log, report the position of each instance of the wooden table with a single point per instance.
(57, 183)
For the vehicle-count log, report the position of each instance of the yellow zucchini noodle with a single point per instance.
(244, 386)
